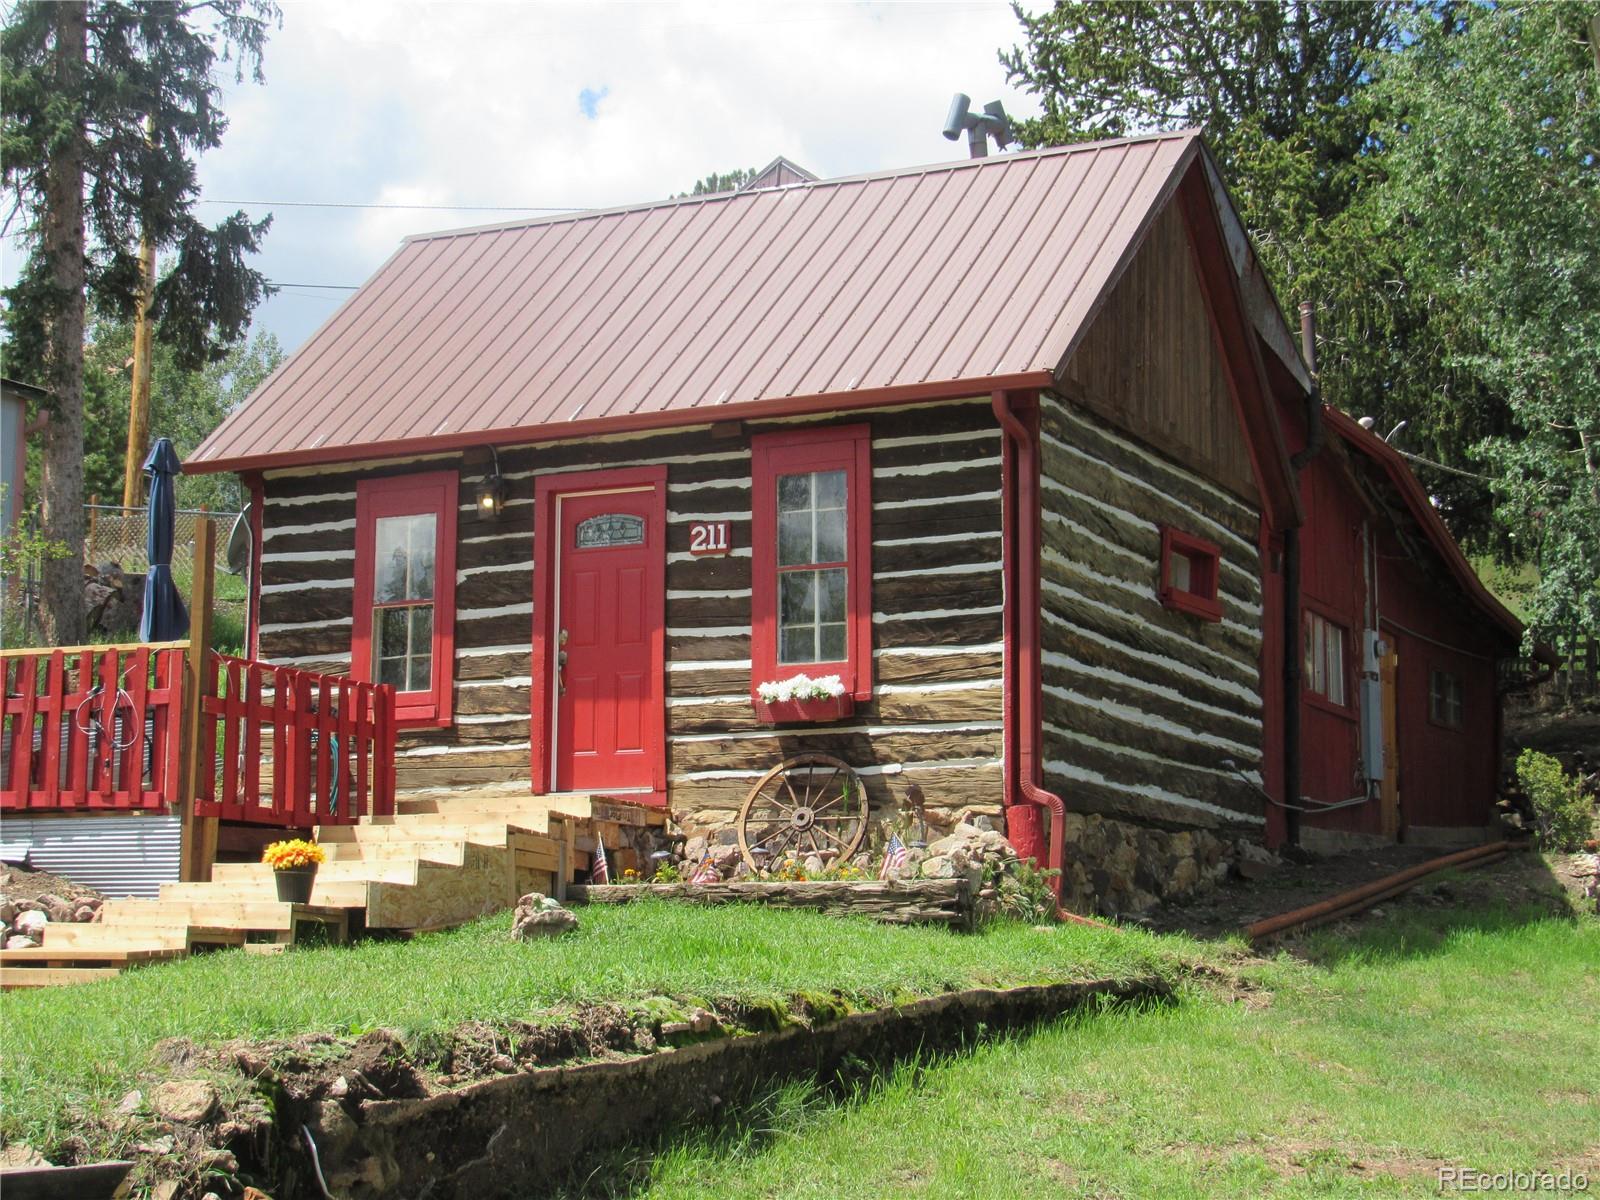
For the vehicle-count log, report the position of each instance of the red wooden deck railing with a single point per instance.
(102, 728)
(329, 741)
(90, 728)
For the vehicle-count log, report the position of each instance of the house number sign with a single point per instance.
(709, 537)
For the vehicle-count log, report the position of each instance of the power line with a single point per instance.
(335, 287)
(511, 208)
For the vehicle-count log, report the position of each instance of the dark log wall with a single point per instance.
(1142, 704)
(935, 716)
(1150, 363)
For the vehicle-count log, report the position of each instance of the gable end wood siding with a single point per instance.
(934, 718)
(1150, 363)
(1142, 704)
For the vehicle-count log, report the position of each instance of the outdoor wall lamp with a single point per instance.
(492, 491)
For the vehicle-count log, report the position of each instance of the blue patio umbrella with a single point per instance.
(164, 619)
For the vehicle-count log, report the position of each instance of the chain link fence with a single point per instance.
(114, 566)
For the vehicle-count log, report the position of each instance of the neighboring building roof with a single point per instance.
(921, 283)
(1405, 482)
(780, 172)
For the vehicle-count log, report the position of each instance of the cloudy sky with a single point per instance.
(569, 106)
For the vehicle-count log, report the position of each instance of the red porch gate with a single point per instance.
(295, 748)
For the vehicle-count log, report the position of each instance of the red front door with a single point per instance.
(607, 626)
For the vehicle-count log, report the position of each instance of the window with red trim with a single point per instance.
(811, 558)
(1189, 570)
(404, 617)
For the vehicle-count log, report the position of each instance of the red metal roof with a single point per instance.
(922, 281)
(1405, 482)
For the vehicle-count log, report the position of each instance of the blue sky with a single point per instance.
(568, 105)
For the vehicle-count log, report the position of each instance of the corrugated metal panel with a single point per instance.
(121, 853)
(964, 271)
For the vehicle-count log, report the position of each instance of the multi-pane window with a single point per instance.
(405, 571)
(813, 567)
(1324, 658)
(1444, 699)
(402, 602)
(811, 557)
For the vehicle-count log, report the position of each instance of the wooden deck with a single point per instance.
(442, 859)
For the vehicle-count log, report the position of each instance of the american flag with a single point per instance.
(707, 871)
(599, 872)
(894, 856)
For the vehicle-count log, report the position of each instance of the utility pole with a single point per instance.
(139, 397)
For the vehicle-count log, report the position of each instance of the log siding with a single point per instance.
(1149, 715)
(934, 719)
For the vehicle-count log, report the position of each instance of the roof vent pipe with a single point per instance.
(1308, 351)
(980, 127)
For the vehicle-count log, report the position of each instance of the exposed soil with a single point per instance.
(19, 883)
(1521, 878)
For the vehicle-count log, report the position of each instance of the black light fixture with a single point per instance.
(492, 491)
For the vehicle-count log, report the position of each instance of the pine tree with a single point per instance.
(105, 105)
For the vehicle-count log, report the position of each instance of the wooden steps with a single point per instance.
(441, 860)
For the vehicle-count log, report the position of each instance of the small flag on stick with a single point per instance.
(706, 872)
(599, 872)
(894, 856)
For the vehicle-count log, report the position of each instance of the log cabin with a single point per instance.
(995, 447)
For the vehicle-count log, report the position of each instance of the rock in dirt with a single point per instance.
(130, 1103)
(57, 908)
(20, 1154)
(31, 923)
(185, 1101)
(19, 942)
(540, 916)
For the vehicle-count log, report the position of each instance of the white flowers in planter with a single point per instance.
(800, 687)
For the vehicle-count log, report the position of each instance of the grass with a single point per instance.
(1439, 1038)
(79, 1049)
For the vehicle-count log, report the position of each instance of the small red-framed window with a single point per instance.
(1189, 569)
(811, 558)
(405, 591)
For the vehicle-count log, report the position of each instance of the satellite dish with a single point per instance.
(239, 544)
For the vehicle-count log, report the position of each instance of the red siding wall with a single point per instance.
(1448, 777)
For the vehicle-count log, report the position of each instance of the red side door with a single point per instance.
(606, 615)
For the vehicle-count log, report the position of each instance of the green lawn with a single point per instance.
(81, 1048)
(1460, 1038)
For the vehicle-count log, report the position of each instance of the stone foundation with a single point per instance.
(1115, 868)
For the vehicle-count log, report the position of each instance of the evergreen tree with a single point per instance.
(104, 106)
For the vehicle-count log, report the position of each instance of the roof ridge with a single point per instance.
(999, 160)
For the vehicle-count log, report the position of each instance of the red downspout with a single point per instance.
(1020, 506)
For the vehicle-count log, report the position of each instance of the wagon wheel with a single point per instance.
(811, 804)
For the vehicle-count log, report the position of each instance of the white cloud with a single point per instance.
(478, 103)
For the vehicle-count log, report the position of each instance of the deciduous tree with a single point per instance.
(1493, 201)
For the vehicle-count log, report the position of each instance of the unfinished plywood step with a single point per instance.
(218, 913)
(169, 936)
(444, 853)
(326, 892)
(483, 833)
(11, 979)
(66, 956)
(374, 870)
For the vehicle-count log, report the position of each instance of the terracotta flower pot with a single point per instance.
(294, 884)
